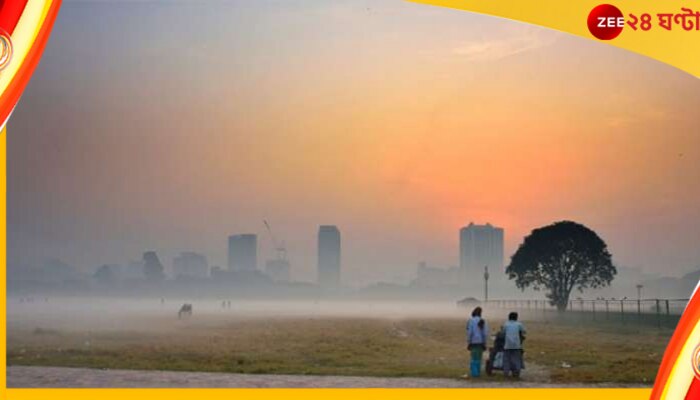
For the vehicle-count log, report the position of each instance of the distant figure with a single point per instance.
(229, 304)
(223, 304)
(514, 333)
(185, 310)
(162, 301)
(477, 332)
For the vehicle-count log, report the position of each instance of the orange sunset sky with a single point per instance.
(169, 125)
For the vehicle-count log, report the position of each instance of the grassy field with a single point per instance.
(555, 352)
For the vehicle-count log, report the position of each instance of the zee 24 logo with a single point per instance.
(606, 21)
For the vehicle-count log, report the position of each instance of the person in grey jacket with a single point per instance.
(514, 332)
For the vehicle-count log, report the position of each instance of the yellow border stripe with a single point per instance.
(327, 394)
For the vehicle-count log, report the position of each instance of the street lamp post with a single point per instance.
(486, 283)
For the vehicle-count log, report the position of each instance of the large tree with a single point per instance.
(559, 258)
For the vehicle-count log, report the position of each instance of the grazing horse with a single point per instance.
(186, 310)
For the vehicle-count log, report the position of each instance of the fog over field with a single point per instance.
(310, 338)
(150, 314)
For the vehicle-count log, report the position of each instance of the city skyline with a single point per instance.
(190, 270)
(397, 122)
(479, 245)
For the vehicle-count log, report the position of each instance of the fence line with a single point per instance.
(661, 312)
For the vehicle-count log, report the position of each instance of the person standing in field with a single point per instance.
(477, 332)
(514, 332)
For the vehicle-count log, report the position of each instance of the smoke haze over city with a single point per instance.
(396, 123)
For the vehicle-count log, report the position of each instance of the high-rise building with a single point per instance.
(480, 246)
(243, 252)
(152, 267)
(328, 256)
(189, 263)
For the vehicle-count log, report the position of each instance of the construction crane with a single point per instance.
(280, 249)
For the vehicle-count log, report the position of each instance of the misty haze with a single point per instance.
(331, 188)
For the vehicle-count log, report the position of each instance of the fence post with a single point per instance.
(607, 309)
(593, 309)
(639, 309)
(622, 311)
(668, 311)
(544, 309)
(658, 314)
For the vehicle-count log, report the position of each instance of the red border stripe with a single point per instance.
(694, 391)
(10, 11)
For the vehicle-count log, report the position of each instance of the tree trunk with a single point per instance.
(562, 304)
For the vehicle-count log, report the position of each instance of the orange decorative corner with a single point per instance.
(679, 373)
(25, 26)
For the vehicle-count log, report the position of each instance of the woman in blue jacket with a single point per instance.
(477, 333)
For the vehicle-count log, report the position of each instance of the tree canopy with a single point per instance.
(560, 258)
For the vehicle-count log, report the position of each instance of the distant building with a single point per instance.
(134, 270)
(192, 264)
(328, 256)
(243, 252)
(277, 270)
(152, 268)
(480, 246)
(427, 276)
(243, 278)
(215, 271)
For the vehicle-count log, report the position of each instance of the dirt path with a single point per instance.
(58, 377)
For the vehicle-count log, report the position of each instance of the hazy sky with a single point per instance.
(169, 125)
